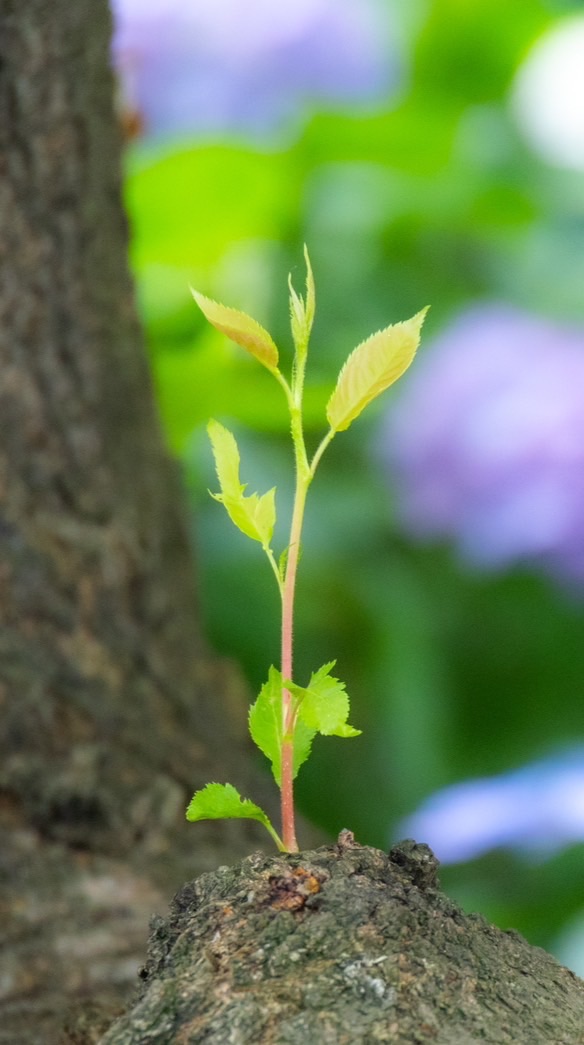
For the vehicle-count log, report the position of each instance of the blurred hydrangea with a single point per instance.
(538, 809)
(222, 66)
(487, 441)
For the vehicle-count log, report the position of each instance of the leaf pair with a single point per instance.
(320, 707)
(371, 368)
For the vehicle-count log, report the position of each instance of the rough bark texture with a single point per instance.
(111, 708)
(342, 945)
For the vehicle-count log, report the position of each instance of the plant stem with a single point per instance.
(320, 450)
(304, 476)
(274, 566)
(288, 705)
(303, 479)
(274, 835)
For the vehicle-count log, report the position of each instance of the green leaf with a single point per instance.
(253, 515)
(265, 726)
(240, 328)
(223, 802)
(265, 721)
(303, 737)
(324, 704)
(371, 368)
(302, 311)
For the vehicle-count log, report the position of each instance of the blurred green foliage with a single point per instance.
(436, 200)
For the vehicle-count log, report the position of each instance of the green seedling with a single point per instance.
(286, 716)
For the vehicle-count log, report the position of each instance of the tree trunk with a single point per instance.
(342, 946)
(112, 710)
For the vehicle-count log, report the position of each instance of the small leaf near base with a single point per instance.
(223, 802)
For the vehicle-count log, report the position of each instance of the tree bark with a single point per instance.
(112, 709)
(343, 945)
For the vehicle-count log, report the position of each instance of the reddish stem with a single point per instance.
(288, 710)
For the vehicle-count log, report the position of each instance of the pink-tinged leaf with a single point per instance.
(371, 368)
(240, 328)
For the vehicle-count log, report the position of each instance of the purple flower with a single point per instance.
(487, 442)
(219, 66)
(538, 808)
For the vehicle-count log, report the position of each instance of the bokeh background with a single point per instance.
(428, 152)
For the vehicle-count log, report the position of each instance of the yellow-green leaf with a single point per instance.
(371, 368)
(254, 515)
(241, 328)
(302, 310)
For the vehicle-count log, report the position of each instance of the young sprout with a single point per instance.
(286, 717)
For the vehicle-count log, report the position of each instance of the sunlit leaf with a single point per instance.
(223, 802)
(324, 704)
(240, 328)
(254, 515)
(371, 368)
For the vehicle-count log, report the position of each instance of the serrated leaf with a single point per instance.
(223, 802)
(254, 515)
(241, 328)
(265, 726)
(371, 368)
(303, 737)
(324, 704)
(265, 722)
